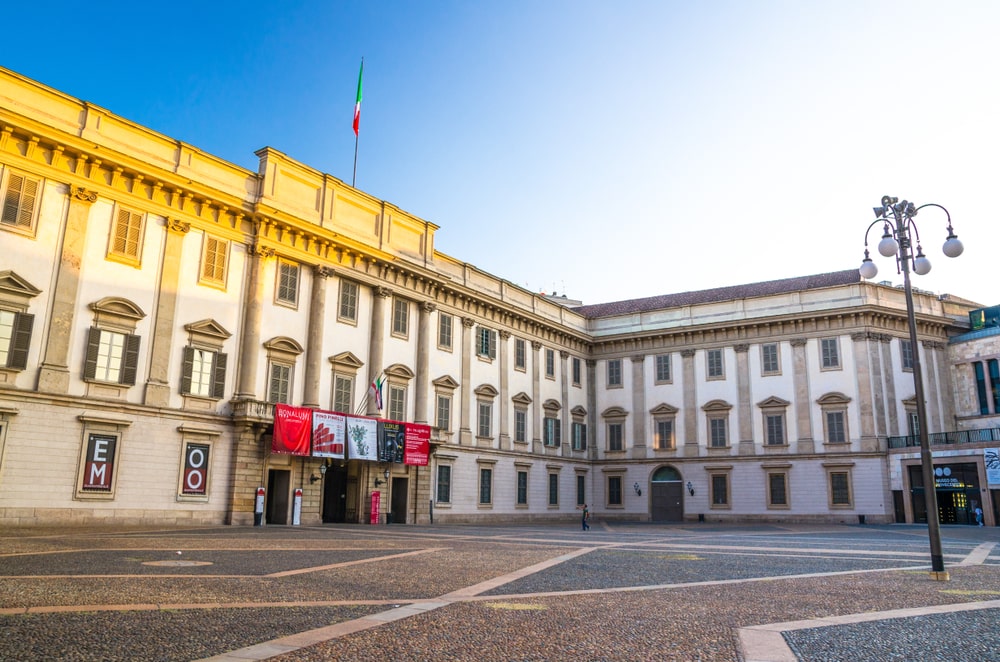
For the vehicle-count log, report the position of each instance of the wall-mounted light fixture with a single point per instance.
(322, 471)
(385, 474)
(637, 490)
(690, 488)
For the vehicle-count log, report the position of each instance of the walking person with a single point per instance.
(979, 516)
(586, 517)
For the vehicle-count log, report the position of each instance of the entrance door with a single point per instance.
(668, 502)
(278, 482)
(335, 494)
(399, 500)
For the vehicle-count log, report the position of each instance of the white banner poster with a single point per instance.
(992, 457)
(362, 438)
(329, 434)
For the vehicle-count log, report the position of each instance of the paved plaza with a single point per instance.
(617, 592)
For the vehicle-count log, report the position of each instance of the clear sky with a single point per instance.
(603, 150)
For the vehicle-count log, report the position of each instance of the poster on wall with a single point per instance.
(992, 457)
(99, 467)
(390, 441)
(362, 438)
(417, 445)
(292, 430)
(329, 433)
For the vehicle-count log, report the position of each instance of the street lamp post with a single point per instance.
(899, 234)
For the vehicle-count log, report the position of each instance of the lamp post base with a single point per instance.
(940, 575)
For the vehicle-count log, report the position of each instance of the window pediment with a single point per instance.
(551, 405)
(663, 409)
(521, 398)
(445, 382)
(16, 290)
(486, 391)
(773, 402)
(716, 405)
(117, 307)
(614, 412)
(208, 328)
(578, 411)
(833, 398)
(284, 345)
(399, 371)
(347, 361)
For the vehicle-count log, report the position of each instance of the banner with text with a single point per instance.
(329, 433)
(417, 446)
(292, 430)
(362, 438)
(390, 441)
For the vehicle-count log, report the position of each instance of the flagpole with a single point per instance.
(355, 175)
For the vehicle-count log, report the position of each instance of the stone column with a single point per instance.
(946, 388)
(890, 387)
(805, 442)
(423, 377)
(566, 442)
(465, 427)
(376, 342)
(690, 385)
(536, 393)
(54, 374)
(639, 408)
(314, 346)
(869, 442)
(934, 401)
(878, 384)
(503, 358)
(158, 383)
(253, 303)
(744, 404)
(591, 409)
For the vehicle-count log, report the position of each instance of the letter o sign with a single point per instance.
(195, 469)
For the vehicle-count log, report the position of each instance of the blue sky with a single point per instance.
(605, 150)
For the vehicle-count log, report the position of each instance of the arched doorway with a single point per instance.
(667, 503)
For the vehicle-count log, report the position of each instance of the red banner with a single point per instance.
(418, 444)
(373, 515)
(292, 430)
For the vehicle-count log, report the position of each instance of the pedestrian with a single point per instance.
(586, 517)
(979, 516)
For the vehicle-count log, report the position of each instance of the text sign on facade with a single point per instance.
(99, 467)
(376, 501)
(195, 469)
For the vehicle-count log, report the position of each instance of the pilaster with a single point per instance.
(314, 346)
(691, 428)
(158, 383)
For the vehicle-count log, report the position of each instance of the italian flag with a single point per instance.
(357, 104)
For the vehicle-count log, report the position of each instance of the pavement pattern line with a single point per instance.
(344, 564)
(766, 643)
(979, 554)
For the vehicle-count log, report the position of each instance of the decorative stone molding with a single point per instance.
(383, 292)
(504, 335)
(741, 348)
(798, 342)
(320, 271)
(468, 322)
(687, 353)
(536, 345)
(428, 306)
(178, 226)
(83, 195)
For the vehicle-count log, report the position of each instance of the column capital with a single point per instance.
(504, 334)
(83, 195)
(178, 226)
(536, 345)
(798, 342)
(468, 322)
(638, 358)
(261, 251)
(383, 292)
(428, 306)
(742, 348)
(858, 336)
(320, 271)
(687, 353)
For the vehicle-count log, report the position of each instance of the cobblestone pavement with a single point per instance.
(616, 592)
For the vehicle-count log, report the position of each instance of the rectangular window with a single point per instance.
(397, 403)
(444, 412)
(522, 488)
(615, 491)
(994, 369)
(347, 310)
(204, 373)
(577, 378)
(445, 322)
(716, 368)
(829, 353)
(769, 364)
(444, 484)
(840, 489)
(287, 289)
(836, 430)
(774, 427)
(664, 435)
(486, 345)
(720, 489)
(400, 317)
(485, 486)
(20, 202)
(579, 436)
(614, 373)
(126, 236)
(913, 423)
(616, 437)
(581, 490)
(981, 392)
(111, 357)
(485, 419)
(279, 383)
(662, 368)
(717, 433)
(520, 425)
(343, 388)
(906, 354)
(213, 260)
(553, 489)
(520, 354)
(15, 339)
(777, 490)
(550, 363)
(553, 431)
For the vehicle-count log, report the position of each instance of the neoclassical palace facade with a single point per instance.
(156, 303)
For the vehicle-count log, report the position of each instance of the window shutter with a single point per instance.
(93, 347)
(19, 201)
(219, 375)
(493, 344)
(21, 342)
(558, 432)
(583, 436)
(186, 370)
(130, 362)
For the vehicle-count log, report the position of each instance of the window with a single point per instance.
(125, 243)
(397, 403)
(579, 436)
(616, 437)
(719, 484)
(615, 491)
(664, 440)
(520, 425)
(836, 431)
(486, 345)
(112, 357)
(347, 310)
(716, 367)
(287, 288)
(906, 354)
(614, 373)
(774, 429)
(552, 431)
(994, 369)
(15, 339)
(20, 202)
(553, 489)
(444, 484)
(662, 368)
(840, 488)
(443, 420)
(834, 408)
(522, 488)
(204, 373)
(400, 317)
(717, 435)
(981, 390)
(769, 359)
(445, 323)
(777, 489)
(485, 419)
(576, 372)
(581, 489)
(214, 256)
(550, 363)
(485, 485)
(912, 423)
(343, 390)
(829, 353)
(520, 354)
(279, 383)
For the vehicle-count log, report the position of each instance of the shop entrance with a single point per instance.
(335, 494)
(957, 490)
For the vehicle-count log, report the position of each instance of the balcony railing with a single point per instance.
(947, 438)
